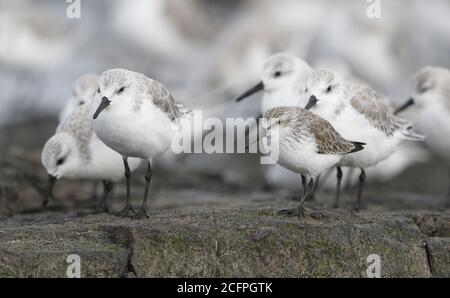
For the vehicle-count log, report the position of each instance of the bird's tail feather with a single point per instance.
(358, 147)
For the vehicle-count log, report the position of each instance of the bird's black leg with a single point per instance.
(300, 210)
(293, 212)
(338, 187)
(312, 193)
(142, 213)
(128, 210)
(108, 186)
(304, 185)
(362, 178)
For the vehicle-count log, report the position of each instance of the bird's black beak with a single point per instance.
(51, 182)
(103, 105)
(257, 88)
(311, 102)
(404, 106)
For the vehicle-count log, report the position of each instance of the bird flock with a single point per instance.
(120, 119)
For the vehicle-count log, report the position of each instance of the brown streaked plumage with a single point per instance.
(163, 99)
(367, 102)
(308, 145)
(303, 123)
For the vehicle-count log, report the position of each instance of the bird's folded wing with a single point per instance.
(163, 100)
(328, 140)
(368, 103)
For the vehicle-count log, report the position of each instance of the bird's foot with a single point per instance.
(299, 212)
(126, 212)
(141, 214)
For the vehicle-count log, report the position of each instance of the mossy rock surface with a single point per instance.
(224, 243)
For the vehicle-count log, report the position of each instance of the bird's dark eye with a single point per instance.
(424, 88)
(98, 90)
(81, 103)
(60, 161)
(329, 89)
(120, 90)
(277, 74)
(306, 90)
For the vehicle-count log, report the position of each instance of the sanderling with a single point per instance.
(137, 117)
(75, 152)
(357, 112)
(84, 87)
(283, 82)
(308, 145)
(431, 94)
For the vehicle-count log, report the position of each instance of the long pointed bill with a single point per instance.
(51, 182)
(311, 102)
(403, 107)
(257, 88)
(103, 105)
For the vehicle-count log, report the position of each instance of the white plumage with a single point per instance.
(137, 117)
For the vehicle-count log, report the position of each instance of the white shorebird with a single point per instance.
(84, 88)
(357, 112)
(137, 117)
(431, 94)
(307, 145)
(75, 152)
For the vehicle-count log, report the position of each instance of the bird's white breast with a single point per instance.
(301, 156)
(355, 127)
(145, 133)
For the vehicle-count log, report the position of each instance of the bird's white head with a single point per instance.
(284, 71)
(431, 86)
(60, 160)
(325, 90)
(59, 157)
(83, 92)
(281, 71)
(84, 88)
(117, 87)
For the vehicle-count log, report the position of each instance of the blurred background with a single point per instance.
(207, 52)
